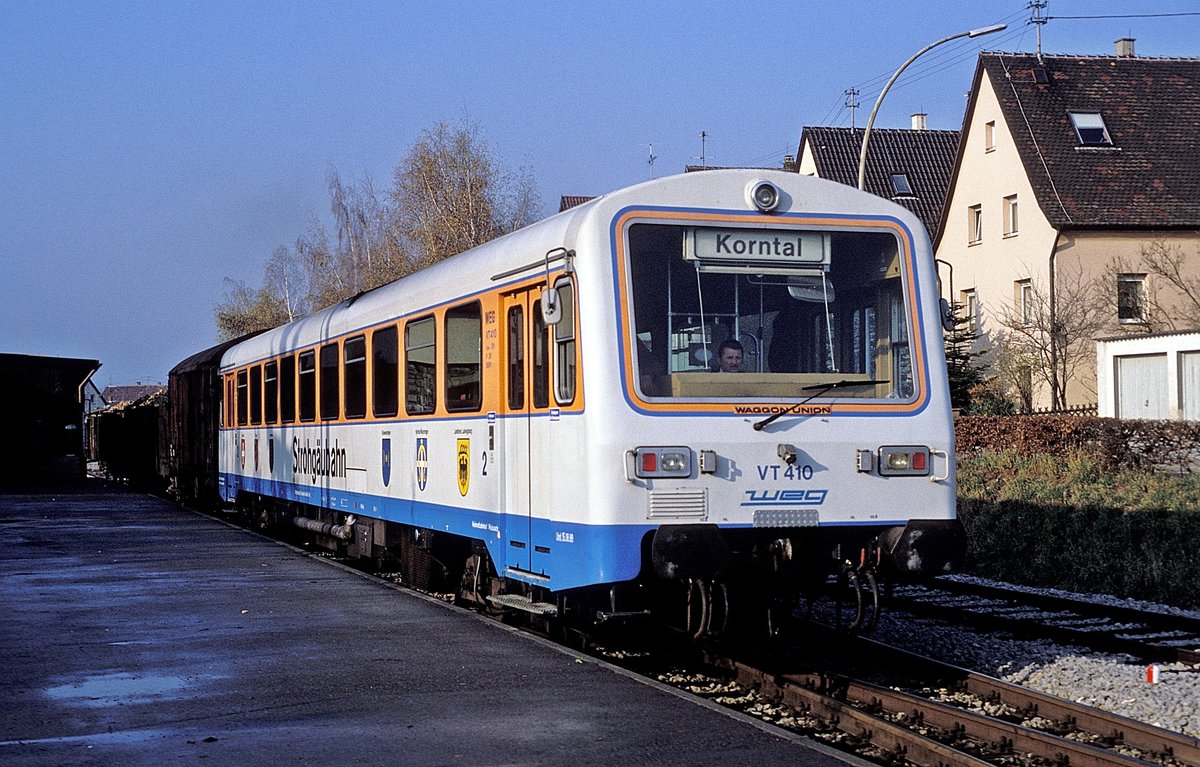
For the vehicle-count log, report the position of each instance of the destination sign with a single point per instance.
(759, 245)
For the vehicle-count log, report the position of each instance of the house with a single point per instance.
(1075, 177)
(911, 167)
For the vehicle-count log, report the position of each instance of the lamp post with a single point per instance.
(862, 155)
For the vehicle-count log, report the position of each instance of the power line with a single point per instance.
(1131, 16)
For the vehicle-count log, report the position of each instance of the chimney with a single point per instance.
(918, 121)
(1125, 48)
(789, 163)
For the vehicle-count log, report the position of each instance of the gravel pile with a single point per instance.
(1112, 682)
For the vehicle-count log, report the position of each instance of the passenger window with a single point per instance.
(242, 401)
(229, 400)
(464, 357)
(308, 386)
(287, 389)
(256, 395)
(271, 392)
(420, 386)
(385, 372)
(356, 377)
(564, 345)
(541, 370)
(516, 358)
(330, 398)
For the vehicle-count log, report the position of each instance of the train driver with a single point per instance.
(729, 356)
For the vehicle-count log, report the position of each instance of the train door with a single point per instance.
(521, 311)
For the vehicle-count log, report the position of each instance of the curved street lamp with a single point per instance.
(862, 155)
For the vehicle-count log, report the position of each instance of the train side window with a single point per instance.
(564, 346)
(330, 398)
(464, 357)
(256, 392)
(229, 400)
(541, 370)
(271, 392)
(243, 415)
(287, 389)
(355, 376)
(385, 372)
(420, 355)
(516, 358)
(308, 386)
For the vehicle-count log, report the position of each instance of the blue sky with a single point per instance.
(151, 149)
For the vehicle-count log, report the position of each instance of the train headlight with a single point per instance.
(764, 195)
(904, 461)
(649, 462)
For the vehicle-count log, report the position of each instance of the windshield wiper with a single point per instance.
(817, 390)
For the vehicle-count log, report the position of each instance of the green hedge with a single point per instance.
(1070, 520)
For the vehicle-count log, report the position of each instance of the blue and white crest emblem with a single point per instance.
(387, 461)
(422, 462)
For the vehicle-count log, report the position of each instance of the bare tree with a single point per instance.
(1052, 333)
(451, 193)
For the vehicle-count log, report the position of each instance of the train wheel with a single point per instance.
(698, 612)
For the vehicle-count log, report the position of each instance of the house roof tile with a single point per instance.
(926, 157)
(1149, 177)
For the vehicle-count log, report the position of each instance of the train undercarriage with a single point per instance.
(697, 580)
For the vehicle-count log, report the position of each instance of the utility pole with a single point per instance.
(703, 156)
(852, 102)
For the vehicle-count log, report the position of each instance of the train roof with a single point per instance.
(712, 189)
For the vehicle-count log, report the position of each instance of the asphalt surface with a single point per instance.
(135, 632)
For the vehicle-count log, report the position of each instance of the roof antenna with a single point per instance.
(650, 160)
(1038, 20)
(703, 156)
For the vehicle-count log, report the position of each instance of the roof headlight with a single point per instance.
(764, 195)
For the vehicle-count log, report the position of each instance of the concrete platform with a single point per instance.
(135, 632)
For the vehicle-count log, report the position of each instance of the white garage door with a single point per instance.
(1142, 390)
(1189, 374)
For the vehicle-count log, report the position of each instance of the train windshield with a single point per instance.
(787, 311)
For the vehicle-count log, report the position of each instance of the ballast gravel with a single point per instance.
(1114, 683)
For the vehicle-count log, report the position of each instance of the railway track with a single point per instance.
(932, 713)
(1147, 635)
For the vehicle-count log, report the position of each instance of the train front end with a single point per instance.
(784, 382)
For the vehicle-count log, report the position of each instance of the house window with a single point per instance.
(974, 224)
(1090, 128)
(989, 136)
(1010, 215)
(1131, 298)
(1024, 297)
(901, 186)
(970, 305)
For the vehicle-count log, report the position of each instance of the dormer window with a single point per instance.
(901, 186)
(1090, 128)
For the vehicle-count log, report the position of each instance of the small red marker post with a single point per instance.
(1153, 673)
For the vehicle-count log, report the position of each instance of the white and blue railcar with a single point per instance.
(542, 419)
